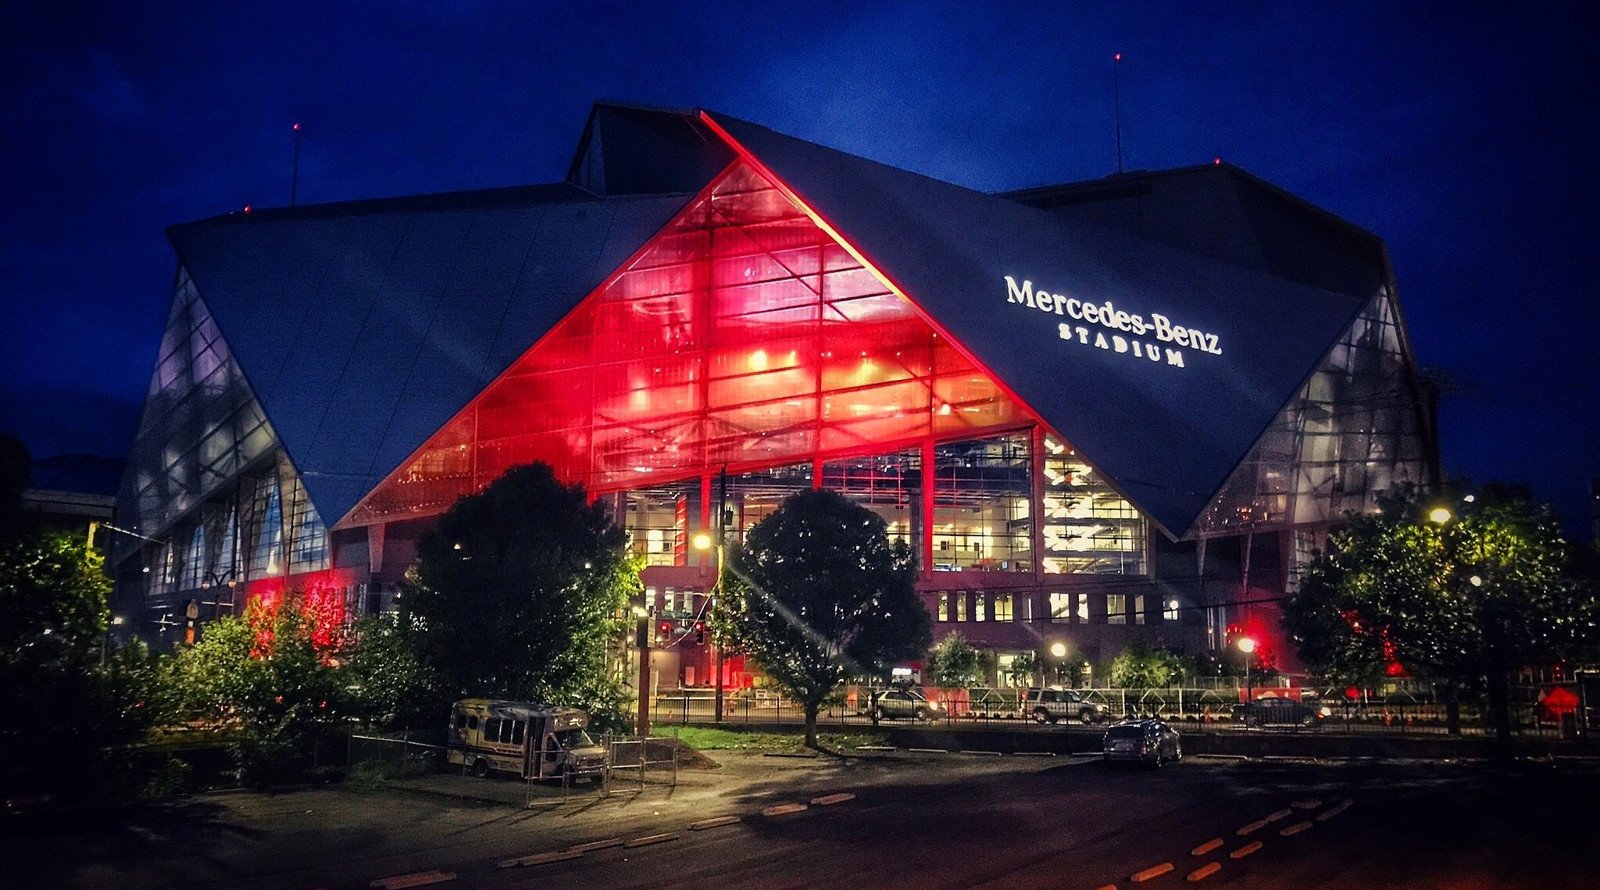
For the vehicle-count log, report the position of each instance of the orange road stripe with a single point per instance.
(1205, 871)
(1281, 814)
(1245, 850)
(1206, 847)
(1252, 828)
(1154, 871)
(1294, 829)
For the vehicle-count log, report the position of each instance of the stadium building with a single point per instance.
(1099, 413)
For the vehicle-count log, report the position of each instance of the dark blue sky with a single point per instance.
(1461, 133)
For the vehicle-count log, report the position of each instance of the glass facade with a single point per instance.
(1088, 527)
(980, 509)
(742, 336)
(1354, 431)
(208, 487)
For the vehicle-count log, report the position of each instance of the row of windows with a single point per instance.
(1063, 607)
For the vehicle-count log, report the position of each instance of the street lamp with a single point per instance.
(717, 544)
(1440, 515)
(1247, 645)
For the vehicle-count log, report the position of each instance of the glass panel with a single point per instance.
(742, 336)
(1116, 608)
(1353, 431)
(1088, 527)
(980, 513)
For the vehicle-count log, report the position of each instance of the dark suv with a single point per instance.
(1285, 712)
(1151, 742)
(1055, 705)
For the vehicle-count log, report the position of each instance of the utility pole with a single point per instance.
(294, 172)
(643, 628)
(716, 587)
(1116, 101)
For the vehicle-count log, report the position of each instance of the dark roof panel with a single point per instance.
(363, 332)
(1167, 436)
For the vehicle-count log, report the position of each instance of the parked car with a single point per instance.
(1282, 712)
(1055, 705)
(906, 704)
(1149, 741)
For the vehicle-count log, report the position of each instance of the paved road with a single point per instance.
(917, 820)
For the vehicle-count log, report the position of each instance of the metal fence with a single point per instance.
(395, 755)
(1404, 707)
(633, 763)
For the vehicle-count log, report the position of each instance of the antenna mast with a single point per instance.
(1116, 101)
(294, 174)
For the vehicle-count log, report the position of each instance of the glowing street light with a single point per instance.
(1247, 645)
(1058, 649)
(702, 541)
(1440, 515)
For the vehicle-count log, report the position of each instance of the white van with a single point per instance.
(534, 741)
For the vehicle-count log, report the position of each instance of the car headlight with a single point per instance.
(1325, 711)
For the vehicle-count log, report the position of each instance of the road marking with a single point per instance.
(1206, 847)
(783, 809)
(828, 800)
(1106, 887)
(415, 879)
(1033, 753)
(609, 842)
(1307, 804)
(1154, 871)
(988, 753)
(929, 750)
(874, 747)
(1325, 815)
(540, 859)
(649, 839)
(1294, 829)
(1281, 814)
(717, 822)
(1204, 871)
(1245, 850)
(1252, 828)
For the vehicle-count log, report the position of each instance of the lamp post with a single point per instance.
(1247, 645)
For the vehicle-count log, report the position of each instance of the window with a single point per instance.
(982, 491)
(1170, 613)
(961, 605)
(1060, 610)
(518, 727)
(944, 605)
(472, 722)
(1116, 608)
(491, 729)
(1088, 527)
(1002, 607)
(1138, 608)
(980, 603)
(1083, 608)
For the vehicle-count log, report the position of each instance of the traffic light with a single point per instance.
(699, 633)
(663, 632)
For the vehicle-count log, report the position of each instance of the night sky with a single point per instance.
(1462, 136)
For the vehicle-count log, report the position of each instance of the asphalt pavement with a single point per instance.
(878, 820)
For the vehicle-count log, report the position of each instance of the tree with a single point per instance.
(954, 663)
(389, 681)
(517, 592)
(1461, 598)
(1142, 666)
(817, 594)
(70, 711)
(263, 677)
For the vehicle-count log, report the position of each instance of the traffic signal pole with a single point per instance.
(642, 727)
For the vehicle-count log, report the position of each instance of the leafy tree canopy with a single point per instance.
(1142, 666)
(953, 662)
(818, 593)
(1461, 600)
(516, 592)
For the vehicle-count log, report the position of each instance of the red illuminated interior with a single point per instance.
(743, 335)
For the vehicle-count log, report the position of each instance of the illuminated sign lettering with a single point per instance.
(1098, 318)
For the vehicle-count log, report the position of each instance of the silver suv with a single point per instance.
(903, 703)
(1055, 705)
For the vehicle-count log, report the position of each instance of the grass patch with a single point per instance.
(706, 739)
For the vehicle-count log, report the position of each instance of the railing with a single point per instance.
(1402, 708)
